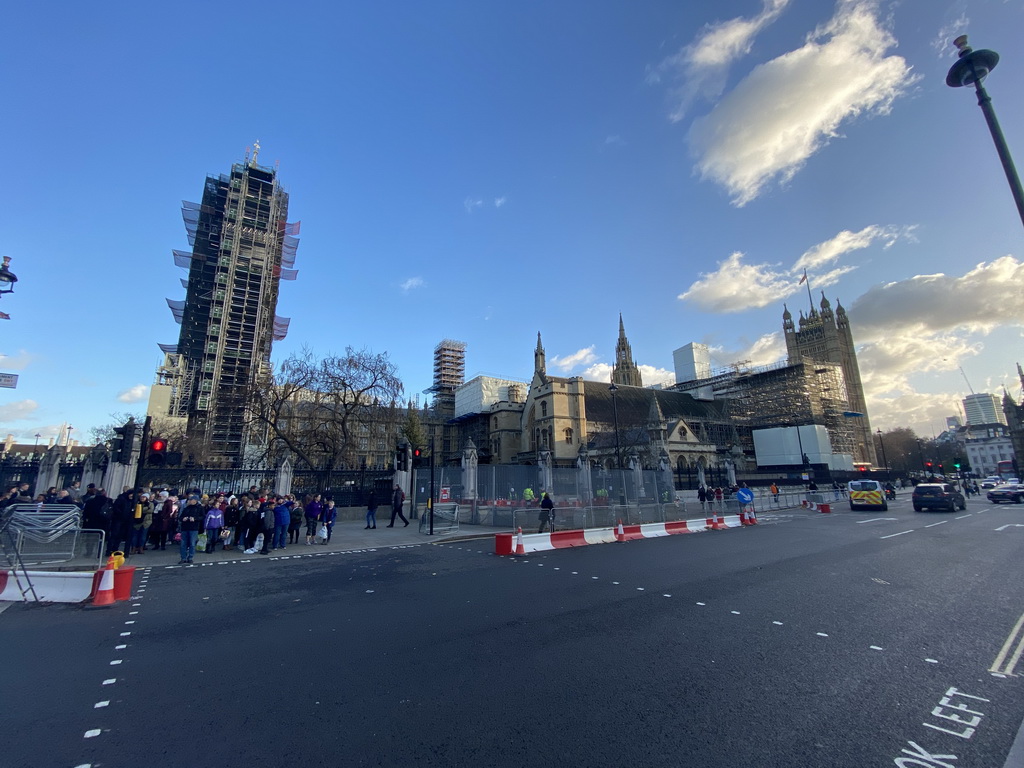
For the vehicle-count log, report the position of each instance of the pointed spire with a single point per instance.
(539, 362)
(786, 314)
(824, 302)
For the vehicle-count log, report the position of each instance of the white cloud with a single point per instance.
(499, 201)
(17, 362)
(736, 286)
(769, 348)
(829, 251)
(699, 70)
(598, 372)
(22, 409)
(412, 282)
(471, 204)
(580, 357)
(943, 42)
(135, 394)
(651, 375)
(787, 109)
(925, 325)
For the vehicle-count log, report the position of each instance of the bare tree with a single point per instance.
(321, 409)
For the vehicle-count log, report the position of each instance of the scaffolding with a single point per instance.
(449, 366)
(242, 247)
(782, 394)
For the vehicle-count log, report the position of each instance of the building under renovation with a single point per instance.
(241, 248)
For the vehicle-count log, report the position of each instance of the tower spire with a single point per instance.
(625, 370)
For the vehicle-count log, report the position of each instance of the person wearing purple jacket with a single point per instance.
(282, 516)
(213, 522)
(313, 510)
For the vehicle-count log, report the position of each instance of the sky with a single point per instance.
(487, 171)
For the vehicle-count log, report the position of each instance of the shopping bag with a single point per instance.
(321, 534)
(202, 542)
(258, 544)
(225, 536)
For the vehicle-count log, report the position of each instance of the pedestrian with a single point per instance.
(122, 515)
(252, 524)
(328, 516)
(812, 486)
(213, 522)
(774, 490)
(719, 495)
(702, 496)
(397, 500)
(232, 521)
(190, 519)
(837, 490)
(313, 510)
(282, 519)
(371, 510)
(546, 507)
(295, 513)
(140, 524)
(164, 518)
(269, 521)
(96, 514)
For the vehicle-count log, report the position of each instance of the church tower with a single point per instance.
(826, 336)
(625, 372)
(539, 364)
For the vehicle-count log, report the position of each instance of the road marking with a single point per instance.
(115, 662)
(777, 622)
(962, 516)
(821, 634)
(666, 595)
(92, 733)
(101, 704)
(932, 661)
(896, 534)
(639, 589)
(737, 613)
(875, 648)
(125, 634)
(701, 603)
(1009, 525)
(932, 525)
(875, 520)
(120, 647)
(110, 681)
(615, 582)
(1005, 650)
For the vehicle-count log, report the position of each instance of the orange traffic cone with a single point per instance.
(620, 535)
(105, 593)
(520, 549)
(751, 517)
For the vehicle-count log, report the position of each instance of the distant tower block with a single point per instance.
(449, 366)
(692, 362)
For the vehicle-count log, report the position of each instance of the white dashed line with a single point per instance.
(962, 516)
(932, 661)
(701, 603)
(115, 662)
(110, 681)
(821, 634)
(125, 634)
(666, 595)
(896, 534)
(932, 525)
(594, 577)
(736, 613)
(639, 589)
(615, 583)
(101, 704)
(94, 732)
(120, 647)
(875, 648)
(779, 623)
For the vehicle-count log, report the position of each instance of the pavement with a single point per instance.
(347, 535)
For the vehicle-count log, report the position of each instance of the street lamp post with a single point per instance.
(618, 455)
(970, 69)
(884, 460)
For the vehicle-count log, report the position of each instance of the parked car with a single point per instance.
(1007, 492)
(938, 496)
(990, 482)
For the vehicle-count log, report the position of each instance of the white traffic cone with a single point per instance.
(520, 549)
(105, 593)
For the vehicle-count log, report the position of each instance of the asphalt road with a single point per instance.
(850, 639)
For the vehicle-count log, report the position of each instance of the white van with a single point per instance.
(867, 494)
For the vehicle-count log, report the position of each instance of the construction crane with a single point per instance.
(965, 378)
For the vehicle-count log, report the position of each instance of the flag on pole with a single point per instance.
(803, 279)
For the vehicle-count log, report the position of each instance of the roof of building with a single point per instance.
(633, 404)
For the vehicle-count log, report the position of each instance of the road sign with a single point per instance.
(745, 495)
(446, 494)
(9, 380)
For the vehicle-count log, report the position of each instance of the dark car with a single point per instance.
(938, 496)
(1007, 492)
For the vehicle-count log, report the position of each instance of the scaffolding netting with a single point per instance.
(281, 327)
(182, 259)
(170, 349)
(177, 309)
(184, 283)
(288, 249)
(286, 274)
(292, 227)
(190, 215)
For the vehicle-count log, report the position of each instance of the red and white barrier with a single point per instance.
(521, 544)
(49, 586)
(815, 507)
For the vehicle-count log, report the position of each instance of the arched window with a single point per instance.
(568, 435)
(544, 409)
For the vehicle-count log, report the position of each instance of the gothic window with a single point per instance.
(543, 410)
(568, 435)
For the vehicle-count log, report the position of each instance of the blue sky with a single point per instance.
(485, 171)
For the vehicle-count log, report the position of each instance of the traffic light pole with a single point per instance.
(430, 501)
(143, 455)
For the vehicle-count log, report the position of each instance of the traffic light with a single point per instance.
(157, 455)
(400, 463)
(940, 467)
(928, 464)
(117, 444)
(863, 469)
(956, 463)
(417, 458)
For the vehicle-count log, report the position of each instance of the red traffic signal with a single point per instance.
(157, 455)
